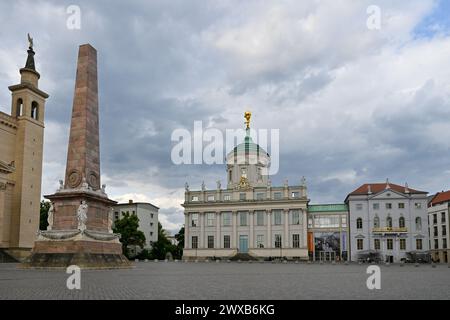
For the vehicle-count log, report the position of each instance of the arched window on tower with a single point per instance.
(35, 110)
(359, 223)
(19, 107)
(230, 175)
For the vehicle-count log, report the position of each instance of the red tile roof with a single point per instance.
(378, 187)
(440, 197)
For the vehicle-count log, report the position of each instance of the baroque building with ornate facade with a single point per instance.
(250, 217)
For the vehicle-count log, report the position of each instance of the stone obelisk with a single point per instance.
(80, 216)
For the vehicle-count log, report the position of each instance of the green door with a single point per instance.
(243, 244)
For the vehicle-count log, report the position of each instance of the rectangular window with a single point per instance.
(277, 195)
(226, 219)
(434, 218)
(260, 196)
(243, 218)
(376, 206)
(116, 216)
(359, 244)
(418, 205)
(377, 244)
(210, 198)
(401, 205)
(344, 221)
(444, 243)
(210, 242)
(402, 244)
(194, 198)
(260, 241)
(435, 233)
(444, 230)
(359, 206)
(296, 241)
(277, 217)
(226, 242)
(210, 217)
(388, 205)
(436, 243)
(242, 196)
(278, 241)
(390, 244)
(226, 197)
(418, 244)
(260, 218)
(194, 220)
(295, 194)
(295, 217)
(194, 242)
(443, 217)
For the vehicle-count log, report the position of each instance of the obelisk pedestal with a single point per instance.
(80, 217)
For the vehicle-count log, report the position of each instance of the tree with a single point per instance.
(43, 223)
(162, 246)
(180, 246)
(130, 235)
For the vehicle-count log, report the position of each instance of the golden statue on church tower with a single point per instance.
(247, 116)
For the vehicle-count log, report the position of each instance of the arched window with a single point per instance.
(389, 222)
(418, 224)
(359, 224)
(19, 107)
(401, 222)
(230, 175)
(35, 110)
(376, 222)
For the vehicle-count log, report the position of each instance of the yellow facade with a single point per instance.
(21, 148)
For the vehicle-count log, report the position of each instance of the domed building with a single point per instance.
(249, 219)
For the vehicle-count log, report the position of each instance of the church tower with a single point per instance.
(21, 221)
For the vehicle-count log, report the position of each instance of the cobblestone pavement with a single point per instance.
(196, 281)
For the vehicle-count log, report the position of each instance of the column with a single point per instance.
(269, 228)
(251, 218)
(234, 235)
(286, 229)
(305, 229)
(218, 242)
(201, 239)
(186, 230)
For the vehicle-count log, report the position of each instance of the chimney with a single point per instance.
(130, 201)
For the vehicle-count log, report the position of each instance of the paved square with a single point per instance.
(178, 280)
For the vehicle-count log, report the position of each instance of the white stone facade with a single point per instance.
(388, 219)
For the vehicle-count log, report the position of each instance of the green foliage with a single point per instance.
(45, 206)
(163, 246)
(130, 235)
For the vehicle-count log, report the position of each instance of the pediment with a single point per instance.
(388, 194)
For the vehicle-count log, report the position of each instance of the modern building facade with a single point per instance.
(328, 232)
(438, 222)
(21, 148)
(148, 218)
(387, 219)
(249, 216)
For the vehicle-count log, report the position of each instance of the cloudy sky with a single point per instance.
(353, 104)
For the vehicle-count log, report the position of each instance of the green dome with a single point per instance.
(249, 147)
